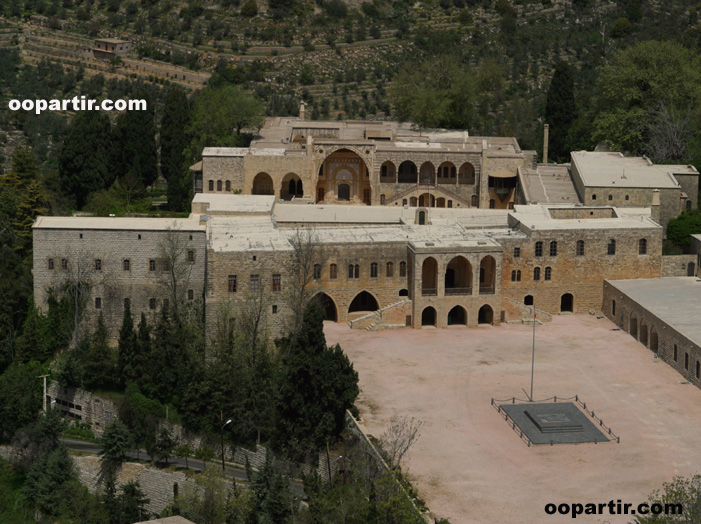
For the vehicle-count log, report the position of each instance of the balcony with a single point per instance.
(458, 291)
(429, 291)
(486, 290)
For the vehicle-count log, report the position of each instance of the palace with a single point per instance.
(410, 228)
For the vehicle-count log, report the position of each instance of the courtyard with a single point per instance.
(471, 467)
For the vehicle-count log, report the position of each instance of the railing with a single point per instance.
(458, 291)
(486, 290)
(429, 291)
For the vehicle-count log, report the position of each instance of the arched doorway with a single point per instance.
(428, 317)
(654, 339)
(458, 277)
(291, 187)
(388, 173)
(427, 173)
(457, 315)
(485, 315)
(633, 328)
(427, 200)
(528, 300)
(467, 174)
(344, 177)
(344, 192)
(262, 185)
(643, 332)
(567, 303)
(326, 303)
(429, 277)
(422, 218)
(407, 173)
(363, 301)
(447, 173)
(488, 267)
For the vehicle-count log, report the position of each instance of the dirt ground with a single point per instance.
(470, 467)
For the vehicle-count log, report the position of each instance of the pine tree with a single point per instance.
(83, 160)
(128, 348)
(560, 111)
(116, 441)
(174, 141)
(99, 360)
(132, 503)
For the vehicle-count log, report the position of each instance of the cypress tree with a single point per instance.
(128, 348)
(174, 141)
(560, 111)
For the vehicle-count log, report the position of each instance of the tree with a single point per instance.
(184, 451)
(317, 386)
(220, 115)
(682, 496)
(399, 437)
(47, 481)
(174, 253)
(638, 80)
(128, 362)
(680, 229)
(560, 110)
(133, 146)
(116, 441)
(83, 160)
(132, 503)
(165, 444)
(174, 141)
(306, 253)
(98, 358)
(20, 397)
(274, 502)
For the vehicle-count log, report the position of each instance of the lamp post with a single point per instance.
(223, 425)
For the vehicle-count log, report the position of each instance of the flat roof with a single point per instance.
(612, 169)
(234, 204)
(119, 223)
(674, 300)
(538, 217)
(112, 40)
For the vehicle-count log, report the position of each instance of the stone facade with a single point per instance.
(83, 406)
(117, 260)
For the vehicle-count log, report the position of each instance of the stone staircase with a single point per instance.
(387, 317)
(525, 313)
(435, 190)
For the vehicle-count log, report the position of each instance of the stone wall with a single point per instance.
(131, 266)
(660, 337)
(678, 265)
(78, 404)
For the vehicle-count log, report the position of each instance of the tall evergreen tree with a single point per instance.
(174, 142)
(83, 161)
(99, 361)
(128, 348)
(318, 385)
(560, 111)
(134, 150)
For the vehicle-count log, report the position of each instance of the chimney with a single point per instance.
(301, 110)
(546, 138)
(655, 206)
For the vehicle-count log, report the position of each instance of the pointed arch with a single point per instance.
(327, 304)
(457, 316)
(363, 301)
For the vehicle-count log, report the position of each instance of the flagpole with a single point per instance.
(533, 354)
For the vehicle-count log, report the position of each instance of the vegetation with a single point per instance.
(680, 492)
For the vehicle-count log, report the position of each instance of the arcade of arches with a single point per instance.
(344, 177)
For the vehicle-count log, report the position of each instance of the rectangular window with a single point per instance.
(333, 271)
(539, 249)
(64, 264)
(255, 283)
(277, 284)
(51, 264)
(274, 309)
(152, 303)
(98, 303)
(152, 265)
(98, 264)
(317, 272)
(232, 283)
(191, 256)
(190, 294)
(517, 252)
(675, 352)
(686, 360)
(126, 264)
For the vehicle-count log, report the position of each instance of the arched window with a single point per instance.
(473, 201)
(513, 276)
(373, 270)
(333, 271)
(404, 202)
(593, 197)
(518, 276)
(610, 198)
(580, 248)
(611, 249)
(317, 271)
(218, 185)
(402, 269)
(553, 248)
(350, 271)
(536, 274)
(357, 271)
(390, 269)
(211, 185)
(548, 273)
(228, 185)
(539, 249)
(642, 246)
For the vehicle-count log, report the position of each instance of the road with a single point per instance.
(231, 472)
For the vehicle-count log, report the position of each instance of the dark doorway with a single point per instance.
(691, 269)
(457, 315)
(422, 218)
(428, 317)
(567, 303)
(344, 192)
(528, 300)
(327, 304)
(363, 301)
(485, 315)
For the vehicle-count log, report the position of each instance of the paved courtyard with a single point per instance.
(468, 464)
